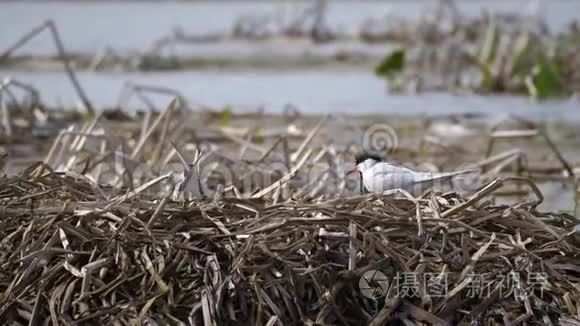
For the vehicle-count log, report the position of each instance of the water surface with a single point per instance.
(312, 91)
(88, 26)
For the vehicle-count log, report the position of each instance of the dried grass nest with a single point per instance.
(69, 255)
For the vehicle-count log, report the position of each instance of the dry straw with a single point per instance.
(83, 244)
(72, 254)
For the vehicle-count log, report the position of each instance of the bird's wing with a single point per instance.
(402, 176)
(387, 176)
(390, 168)
(427, 176)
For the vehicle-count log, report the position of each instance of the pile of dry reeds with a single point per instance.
(102, 233)
(74, 252)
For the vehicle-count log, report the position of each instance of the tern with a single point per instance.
(379, 176)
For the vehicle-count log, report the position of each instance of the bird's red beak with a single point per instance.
(353, 170)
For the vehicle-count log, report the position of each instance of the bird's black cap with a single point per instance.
(363, 157)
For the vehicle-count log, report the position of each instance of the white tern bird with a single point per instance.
(379, 176)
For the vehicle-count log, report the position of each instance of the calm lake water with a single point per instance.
(90, 26)
(312, 91)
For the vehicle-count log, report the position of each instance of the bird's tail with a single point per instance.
(455, 173)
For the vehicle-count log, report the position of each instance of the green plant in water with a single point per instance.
(487, 55)
(508, 60)
(392, 64)
(523, 67)
(545, 80)
(489, 49)
(258, 137)
(226, 116)
(391, 67)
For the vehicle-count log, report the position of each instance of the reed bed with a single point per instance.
(151, 220)
(73, 252)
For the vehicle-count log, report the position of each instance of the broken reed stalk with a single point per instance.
(6, 120)
(532, 131)
(69, 70)
(129, 89)
(285, 178)
(9, 82)
(170, 108)
(62, 54)
(23, 40)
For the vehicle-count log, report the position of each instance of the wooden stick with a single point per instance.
(61, 53)
(23, 40)
(69, 71)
